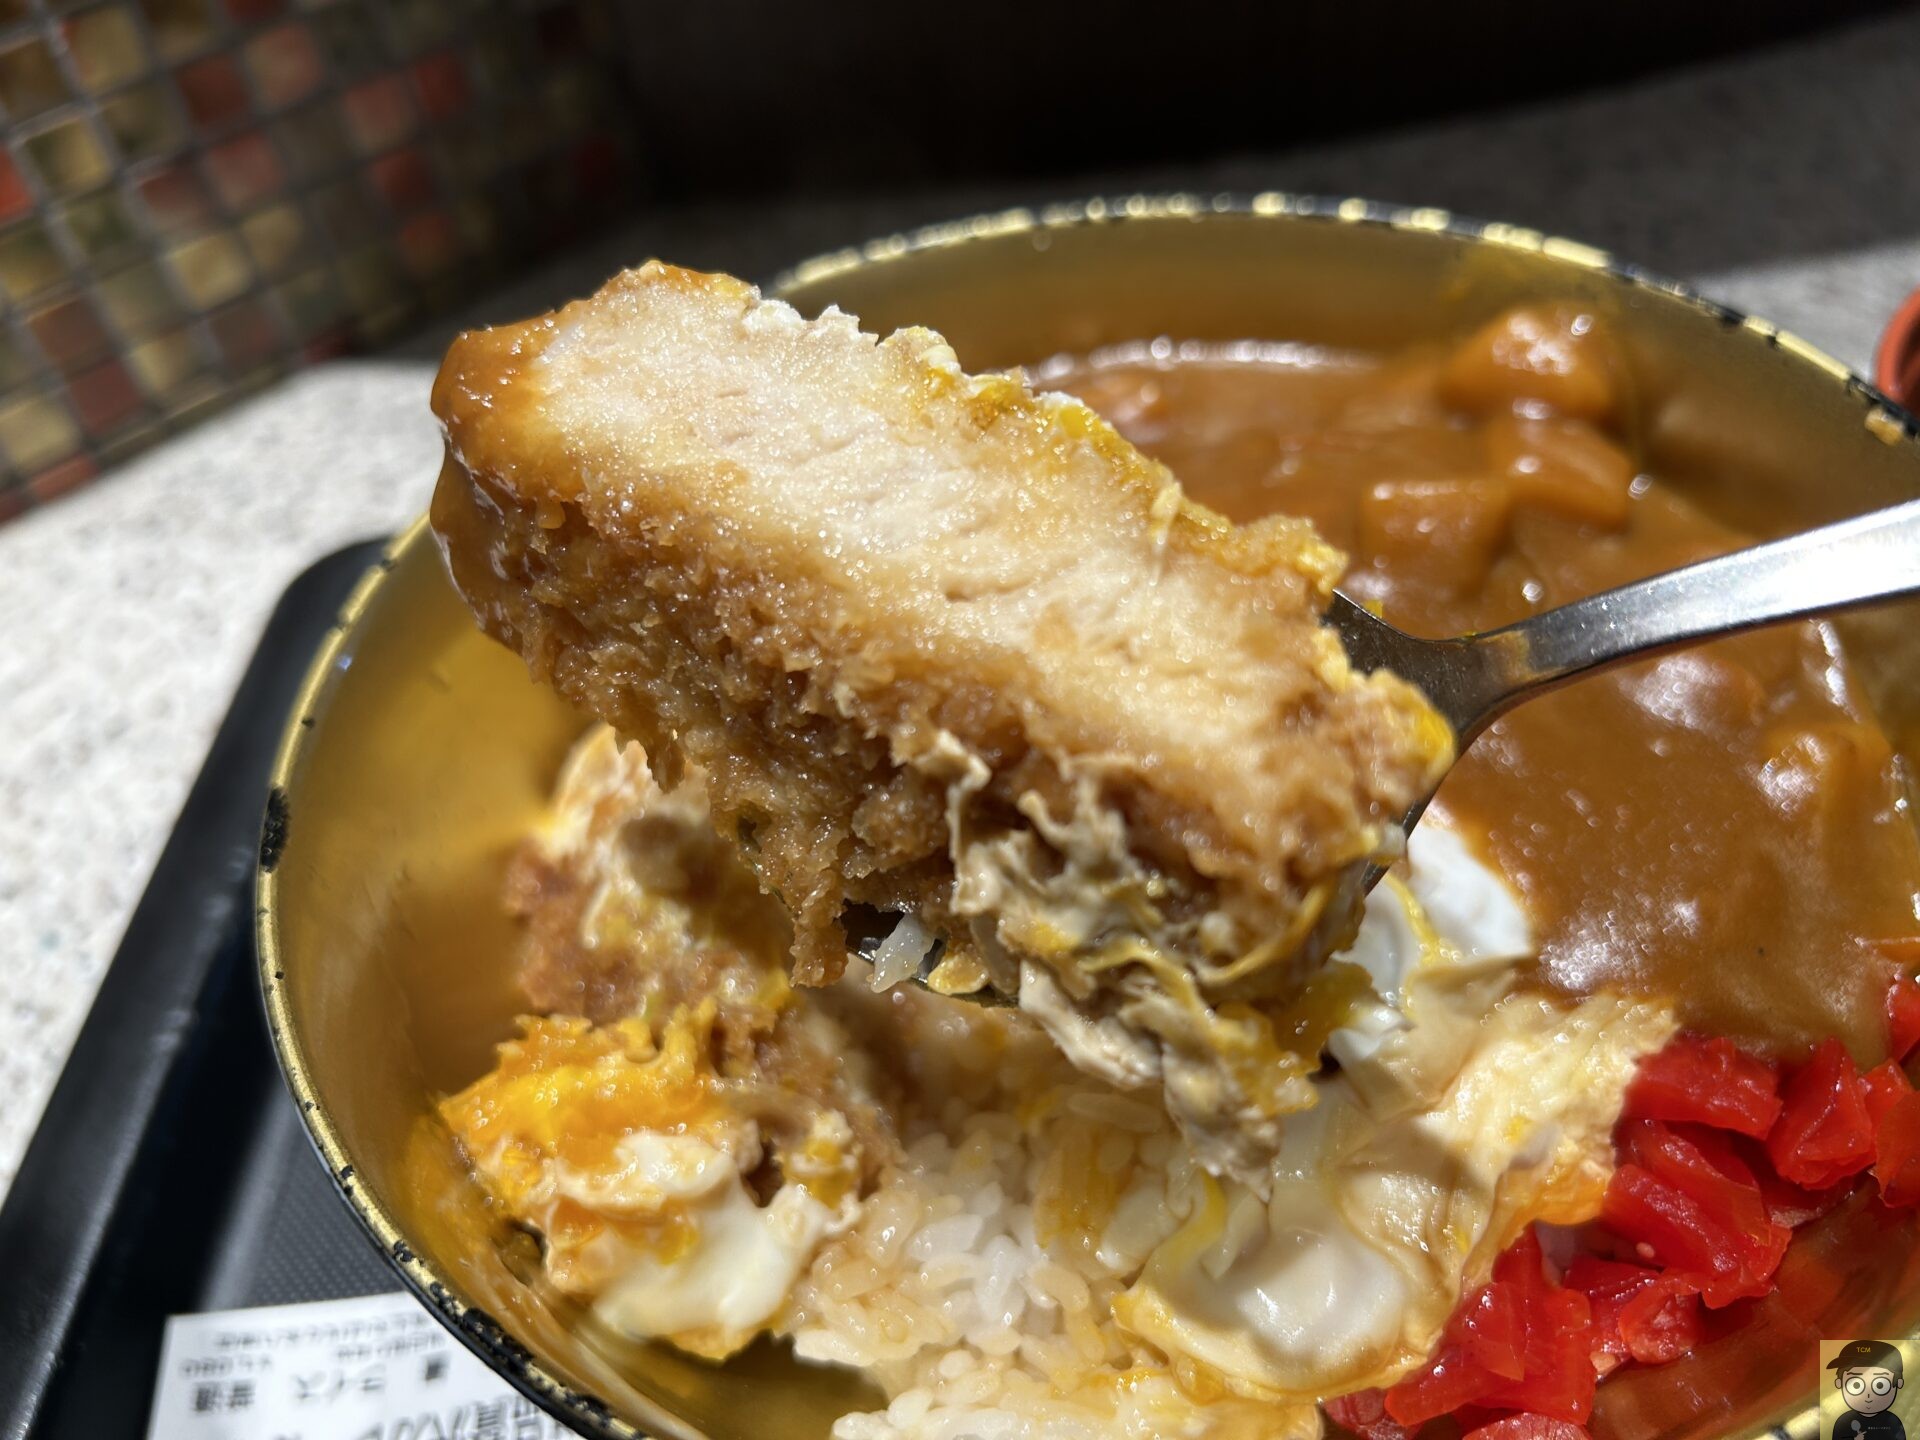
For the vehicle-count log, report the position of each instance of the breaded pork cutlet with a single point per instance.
(945, 647)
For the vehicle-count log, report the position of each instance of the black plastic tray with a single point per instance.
(170, 1172)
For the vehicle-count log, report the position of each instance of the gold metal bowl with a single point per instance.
(419, 753)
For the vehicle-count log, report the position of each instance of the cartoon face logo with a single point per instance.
(1867, 1374)
(1869, 1389)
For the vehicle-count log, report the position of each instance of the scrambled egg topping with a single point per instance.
(669, 1179)
(703, 1189)
(1045, 904)
(1462, 1110)
(1344, 1278)
(621, 1152)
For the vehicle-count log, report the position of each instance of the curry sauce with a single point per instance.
(1721, 827)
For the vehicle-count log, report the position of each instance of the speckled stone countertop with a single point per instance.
(1783, 183)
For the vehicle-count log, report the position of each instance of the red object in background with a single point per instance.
(71, 333)
(380, 113)
(222, 116)
(105, 397)
(1896, 369)
(176, 198)
(15, 198)
(214, 92)
(442, 82)
(403, 178)
(244, 171)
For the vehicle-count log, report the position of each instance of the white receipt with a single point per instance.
(376, 1368)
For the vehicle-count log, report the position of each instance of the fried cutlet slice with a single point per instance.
(945, 647)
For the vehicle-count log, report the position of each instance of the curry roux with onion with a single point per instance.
(1721, 826)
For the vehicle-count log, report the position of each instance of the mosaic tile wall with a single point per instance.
(198, 195)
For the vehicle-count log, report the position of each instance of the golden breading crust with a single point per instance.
(940, 644)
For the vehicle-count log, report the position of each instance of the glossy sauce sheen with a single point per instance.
(1719, 827)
